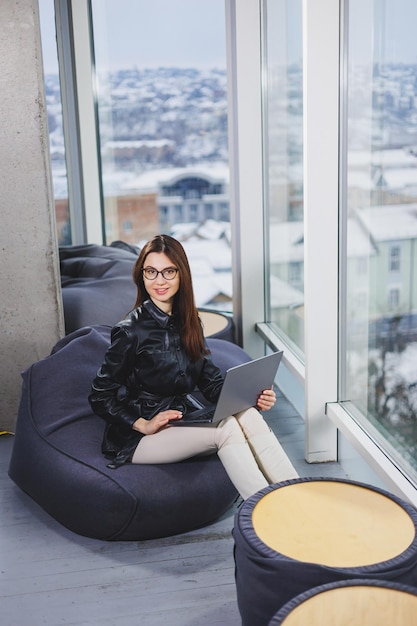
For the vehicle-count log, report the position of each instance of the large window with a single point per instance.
(162, 110)
(380, 354)
(283, 167)
(55, 121)
(161, 114)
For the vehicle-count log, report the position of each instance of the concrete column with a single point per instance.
(31, 317)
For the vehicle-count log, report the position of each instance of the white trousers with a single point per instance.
(249, 451)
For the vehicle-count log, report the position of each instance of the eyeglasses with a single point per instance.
(168, 273)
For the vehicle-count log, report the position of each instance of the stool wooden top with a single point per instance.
(359, 605)
(332, 523)
(212, 322)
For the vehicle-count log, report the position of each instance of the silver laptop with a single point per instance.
(241, 388)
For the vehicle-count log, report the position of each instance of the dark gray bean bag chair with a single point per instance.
(57, 459)
(97, 284)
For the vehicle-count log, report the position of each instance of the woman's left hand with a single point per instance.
(266, 400)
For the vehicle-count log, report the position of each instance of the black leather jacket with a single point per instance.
(145, 371)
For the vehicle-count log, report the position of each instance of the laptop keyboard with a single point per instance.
(206, 413)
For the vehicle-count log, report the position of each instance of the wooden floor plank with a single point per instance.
(193, 606)
(48, 566)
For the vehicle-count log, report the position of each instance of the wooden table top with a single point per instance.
(333, 523)
(357, 605)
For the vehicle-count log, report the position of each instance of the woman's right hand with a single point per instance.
(160, 420)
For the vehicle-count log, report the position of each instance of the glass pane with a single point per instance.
(55, 125)
(162, 105)
(283, 149)
(381, 298)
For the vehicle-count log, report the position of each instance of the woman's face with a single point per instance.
(161, 289)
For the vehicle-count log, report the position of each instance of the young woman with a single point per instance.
(157, 357)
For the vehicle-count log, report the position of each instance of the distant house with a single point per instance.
(392, 274)
(171, 196)
(381, 269)
(150, 151)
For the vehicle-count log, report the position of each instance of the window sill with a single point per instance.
(372, 452)
(292, 362)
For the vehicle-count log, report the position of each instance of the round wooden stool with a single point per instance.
(363, 603)
(216, 325)
(299, 534)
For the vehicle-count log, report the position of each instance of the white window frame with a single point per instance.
(324, 66)
(321, 67)
(75, 55)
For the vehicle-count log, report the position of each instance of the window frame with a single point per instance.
(76, 66)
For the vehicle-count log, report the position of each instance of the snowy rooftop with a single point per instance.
(358, 242)
(387, 158)
(150, 143)
(390, 222)
(400, 179)
(217, 253)
(149, 181)
(283, 295)
(205, 262)
(286, 242)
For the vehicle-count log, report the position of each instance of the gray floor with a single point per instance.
(51, 576)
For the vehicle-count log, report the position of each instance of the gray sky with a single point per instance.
(182, 33)
(191, 33)
(150, 33)
(383, 28)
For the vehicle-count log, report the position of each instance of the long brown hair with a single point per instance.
(184, 303)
